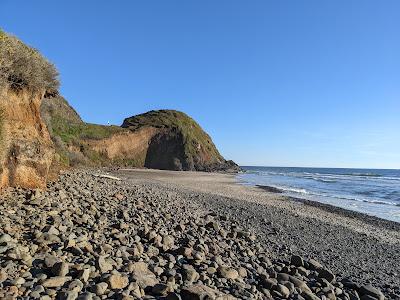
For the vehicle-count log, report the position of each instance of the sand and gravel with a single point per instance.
(145, 234)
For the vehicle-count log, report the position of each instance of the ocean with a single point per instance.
(371, 191)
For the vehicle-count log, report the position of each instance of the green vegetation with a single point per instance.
(66, 133)
(24, 67)
(67, 129)
(194, 137)
(72, 133)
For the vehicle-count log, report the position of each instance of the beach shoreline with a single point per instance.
(352, 244)
(109, 233)
(391, 225)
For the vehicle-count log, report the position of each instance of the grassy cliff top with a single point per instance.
(195, 139)
(22, 66)
(62, 120)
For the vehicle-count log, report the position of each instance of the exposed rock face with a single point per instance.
(166, 151)
(26, 148)
(180, 143)
(164, 139)
(125, 148)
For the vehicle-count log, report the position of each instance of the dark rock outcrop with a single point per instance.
(179, 144)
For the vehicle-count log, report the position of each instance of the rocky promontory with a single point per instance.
(162, 139)
(179, 143)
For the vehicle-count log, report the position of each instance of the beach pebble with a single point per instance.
(109, 239)
(368, 290)
(228, 273)
(326, 274)
(56, 281)
(60, 269)
(100, 288)
(297, 261)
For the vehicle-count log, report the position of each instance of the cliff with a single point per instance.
(40, 131)
(163, 139)
(26, 148)
(179, 143)
(26, 151)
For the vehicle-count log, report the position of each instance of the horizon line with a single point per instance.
(302, 167)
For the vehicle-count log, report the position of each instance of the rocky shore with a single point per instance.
(138, 236)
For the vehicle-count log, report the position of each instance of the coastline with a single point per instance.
(129, 233)
(350, 243)
(391, 225)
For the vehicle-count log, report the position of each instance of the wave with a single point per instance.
(285, 189)
(373, 201)
(295, 190)
(322, 179)
(362, 174)
(327, 177)
(346, 185)
(290, 189)
(380, 202)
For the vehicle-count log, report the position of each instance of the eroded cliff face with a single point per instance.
(26, 148)
(125, 148)
(164, 139)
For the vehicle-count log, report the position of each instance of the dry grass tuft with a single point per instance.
(24, 67)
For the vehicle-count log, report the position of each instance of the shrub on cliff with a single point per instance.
(24, 67)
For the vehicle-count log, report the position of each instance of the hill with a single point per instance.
(179, 144)
(40, 132)
(163, 139)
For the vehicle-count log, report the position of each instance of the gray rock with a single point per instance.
(142, 275)
(228, 273)
(283, 290)
(297, 261)
(84, 275)
(327, 274)
(56, 281)
(100, 288)
(118, 281)
(371, 291)
(34, 295)
(103, 265)
(161, 289)
(70, 295)
(314, 265)
(190, 274)
(60, 269)
(199, 292)
(5, 238)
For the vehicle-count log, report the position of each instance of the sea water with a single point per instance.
(371, 191)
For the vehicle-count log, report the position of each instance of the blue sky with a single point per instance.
(283, 83)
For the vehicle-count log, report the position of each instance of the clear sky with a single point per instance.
(283, 83)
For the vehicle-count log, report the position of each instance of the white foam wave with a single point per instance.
(310, 193)
(293, 190)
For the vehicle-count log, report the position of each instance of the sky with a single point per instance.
(275, 83)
